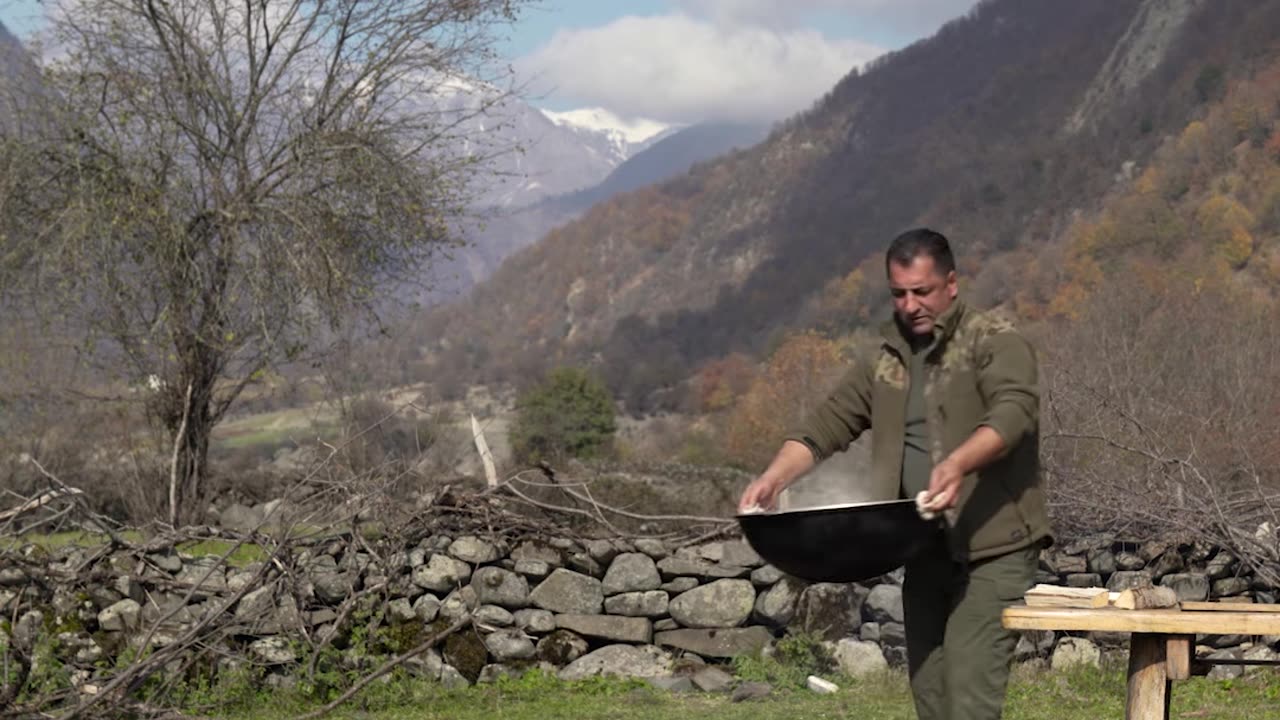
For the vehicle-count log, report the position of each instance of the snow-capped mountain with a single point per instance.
(542, 154)
(628, 136)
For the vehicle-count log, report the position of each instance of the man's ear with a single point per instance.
(953, 284)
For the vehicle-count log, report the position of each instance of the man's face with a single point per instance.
(920, 293)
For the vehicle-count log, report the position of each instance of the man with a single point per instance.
(952, 396)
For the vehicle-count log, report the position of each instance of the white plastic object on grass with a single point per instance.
(819, 685)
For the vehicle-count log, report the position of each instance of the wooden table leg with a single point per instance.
(1148, 678)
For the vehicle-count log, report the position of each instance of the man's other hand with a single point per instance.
(944, 486)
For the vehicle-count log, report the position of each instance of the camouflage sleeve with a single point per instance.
(841, 418)
(1008, 379)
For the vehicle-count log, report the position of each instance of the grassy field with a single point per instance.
(1086, 694)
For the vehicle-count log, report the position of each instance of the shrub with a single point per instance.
(569, 414)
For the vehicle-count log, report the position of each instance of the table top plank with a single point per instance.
(1163, 621)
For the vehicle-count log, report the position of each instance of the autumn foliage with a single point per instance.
(797, 377)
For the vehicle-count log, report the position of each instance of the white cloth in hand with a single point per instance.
(922, 506)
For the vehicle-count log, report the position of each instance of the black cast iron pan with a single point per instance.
(840, 543)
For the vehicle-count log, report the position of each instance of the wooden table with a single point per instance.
(1161, 642)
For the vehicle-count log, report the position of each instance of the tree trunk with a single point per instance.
(189, 430)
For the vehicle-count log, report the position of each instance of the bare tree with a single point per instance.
(1160, 415)
(221, 179)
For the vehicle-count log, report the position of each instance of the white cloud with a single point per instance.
(907, 16)
(682, 68)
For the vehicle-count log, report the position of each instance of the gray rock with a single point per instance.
(857, 658)
(1034, 644)
(672, 567)
(751, 691)
(1125, 580)
(721, 604)
(607, 627)
(417, 558)
(653, 603)
(1224, 672)
(31, 625)
(562, 647)
(441, 574)
(1169, 562)
(168, 563)
(13, 577)
(566, 544)
(583, 563)
(1229, 586)
(332, 588)
(893, 634)
(870, 631)
(565, 591)
(1084, 580)
(425, 665)
(718, 643)
(1129, 561)
(535, 569)
(255, 605)
(495, 586)
(1223, 641)
(631, 572)
(830, 610)
(532, 620)
(239, 517)
(672, 684)
(326, 615)
(712, 679)
(777, 604)
(1074, 651)
(884, 604)
(1221, 565)
(1064, 564)
(1188, 586)
(679, 585)
(473, 550)
(542, 552)
(451, 678)
(273, 650)
(665, 624)
(1101, 561)
(426, 608)
(623, 661)
(655, 549)
(602, 551)
(766, 575)
(739, 553)
(509, 644)
(493, 616)
(1152, 549)
(459, 603)
(493, 672)
(123, 615)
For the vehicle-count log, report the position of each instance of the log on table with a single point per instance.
(1147, 598)
(1066, 597)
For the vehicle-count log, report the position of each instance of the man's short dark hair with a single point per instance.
(921, 241)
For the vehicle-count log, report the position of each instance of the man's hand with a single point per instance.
(982, 447)
(793, 460)
(944, 486)
(761, 494)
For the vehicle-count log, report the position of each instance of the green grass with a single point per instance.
(1033, 695)
(57, 541)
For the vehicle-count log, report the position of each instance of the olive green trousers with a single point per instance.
(958, 653)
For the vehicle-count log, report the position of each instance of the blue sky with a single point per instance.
(688, 60)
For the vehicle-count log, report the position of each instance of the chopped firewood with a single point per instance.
(1066, 597)
(1147, 598)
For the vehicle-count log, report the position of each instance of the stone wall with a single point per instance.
(578, 608)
